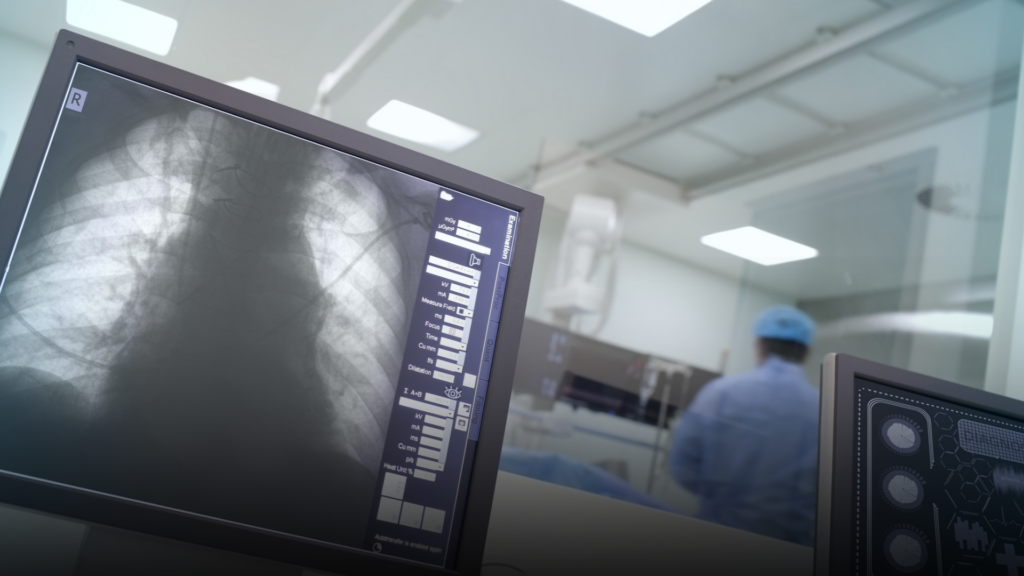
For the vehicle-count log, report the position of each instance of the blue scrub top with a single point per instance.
(748, 447)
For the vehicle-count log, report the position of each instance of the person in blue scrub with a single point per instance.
(747, 445)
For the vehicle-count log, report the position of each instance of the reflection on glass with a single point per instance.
(890, 158)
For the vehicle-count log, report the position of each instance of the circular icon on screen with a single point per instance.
(906, 550)
(901, 434)
(377, 547)
(903, 488)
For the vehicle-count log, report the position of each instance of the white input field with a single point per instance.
(434, 421)
(461, 289)
(445, 365)
(451, 331)
(431, 442)
(435, 432)
(446, 402)
(424, 407)
(430, 465)
(453, 266)
(448, 354)
(424, 475)
(470, 227)
(449, 275)
(469, 381)
(452, 343)
(460, 322)
(444, 377)
(462, 243)
(460, 300)
(468, 235)
(427, 452)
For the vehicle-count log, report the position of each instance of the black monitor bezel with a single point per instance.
(70, 49)
(836, 442)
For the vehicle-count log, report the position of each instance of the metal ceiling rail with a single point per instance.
(402, 17)
(979, 95)
(853, 40)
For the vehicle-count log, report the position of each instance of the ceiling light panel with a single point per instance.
(257, 86)
(648, 17)
(124, 22)
(758, 246)
(418, 125)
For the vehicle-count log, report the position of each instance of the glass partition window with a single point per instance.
(867, 146)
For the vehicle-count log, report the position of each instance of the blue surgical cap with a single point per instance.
(785, 323)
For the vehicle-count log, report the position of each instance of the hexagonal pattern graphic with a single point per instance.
(948, 443)
(984, 485)
(971, 493)
(943, 421)
(949, 461)
(968, 474)
(983, 467)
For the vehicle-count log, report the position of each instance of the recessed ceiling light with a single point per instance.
(125, 22)
(257, 86)
(416, 124)
(648, 17)
(758, 246)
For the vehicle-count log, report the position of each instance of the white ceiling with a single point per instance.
(533, 74)
(520, 71)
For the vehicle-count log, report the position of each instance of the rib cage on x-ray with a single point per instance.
(217, 290)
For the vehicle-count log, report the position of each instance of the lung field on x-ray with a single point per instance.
(208, 314)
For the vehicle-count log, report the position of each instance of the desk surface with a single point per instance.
(536, 529)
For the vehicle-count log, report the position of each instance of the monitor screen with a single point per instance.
(935, 480)
(214, 318)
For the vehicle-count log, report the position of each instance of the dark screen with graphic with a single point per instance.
(938, 486)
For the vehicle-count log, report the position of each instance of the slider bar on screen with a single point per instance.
(463, 243)
(452, 276)
(424, 407)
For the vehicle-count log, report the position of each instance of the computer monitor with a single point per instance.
(232, 323)
(917, 475)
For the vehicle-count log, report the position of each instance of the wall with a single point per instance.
(666, 307)
(21, 66)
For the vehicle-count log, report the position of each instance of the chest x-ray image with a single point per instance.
(207, 314)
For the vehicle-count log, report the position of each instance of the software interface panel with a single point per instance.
(216, 317)
(937, 487)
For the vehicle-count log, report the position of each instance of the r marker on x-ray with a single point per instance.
(442, 390)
